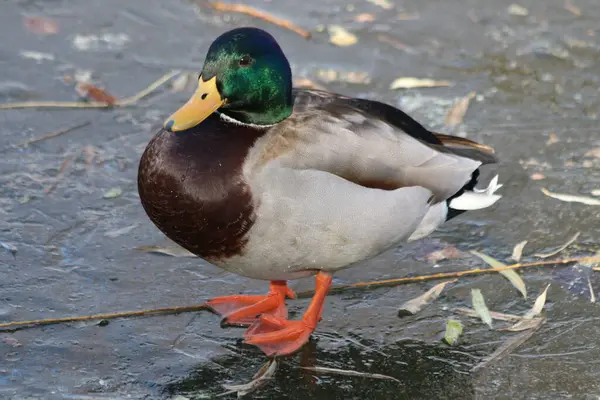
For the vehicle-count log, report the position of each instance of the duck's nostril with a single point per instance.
(204, 96)
(169, 125)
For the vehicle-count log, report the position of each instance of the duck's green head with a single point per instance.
(245, 76)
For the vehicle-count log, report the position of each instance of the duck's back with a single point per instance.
(190, 185)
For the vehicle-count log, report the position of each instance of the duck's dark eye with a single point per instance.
(245, 61)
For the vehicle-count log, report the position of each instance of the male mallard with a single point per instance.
(276, 183)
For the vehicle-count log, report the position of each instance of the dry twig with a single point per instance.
(54, 134)
(83, 104)
(169, 310)
(253, 12)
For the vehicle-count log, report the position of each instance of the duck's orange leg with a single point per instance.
(278, 336)
(242, 310)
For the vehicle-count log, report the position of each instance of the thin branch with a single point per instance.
(54, 134)
(446, 275)
(167, 310)
(253, 12)
(92, 104)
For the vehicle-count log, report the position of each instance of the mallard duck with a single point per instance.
(276, 183)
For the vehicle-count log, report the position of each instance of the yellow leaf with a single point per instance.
(339, 36)
(480, 307)
(415, 305)
(411, 83)
(509, 274)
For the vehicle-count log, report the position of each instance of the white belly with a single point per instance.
(309, 220)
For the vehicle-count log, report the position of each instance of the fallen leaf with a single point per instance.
(454, 329)
(561, 248)
(91, 92)
(11, 248)
(524, 325)
(457, 113)
(411, 83)
(571, 198)
(537, 176)
(307, 83)
(593, 153)
(518, 251)
(339, 36)
(112, 193)
(382, 3)
(180, 83)
(538, 306)
(415, 305)
(495, 315)
(40, 25)
(11, 341)
(480, 307)
(572, 9)
(265, 373)
(515, 9)
(173, 251)
(552, 139)
(364, 17)
(448, 253)
(346, 372)
(509, 274)
(331, 75)
(508, 346)
(37, 56)
(592, 294)
(408, 16)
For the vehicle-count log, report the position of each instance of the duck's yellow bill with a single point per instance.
(205, 101)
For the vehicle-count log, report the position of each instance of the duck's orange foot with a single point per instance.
(278, 336)
(243, 310)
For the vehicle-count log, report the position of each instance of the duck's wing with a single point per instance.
(371, 144)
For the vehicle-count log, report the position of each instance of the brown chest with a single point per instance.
(192, 188)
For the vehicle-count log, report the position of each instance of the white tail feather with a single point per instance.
(478, 198)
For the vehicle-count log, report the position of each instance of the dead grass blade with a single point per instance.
(517, 252)
(571, 198)
(508, 347)
(253, 12)
(346, 372)
(523, 325)
(12, 249)
(412, 83)
(415, 305)
(480, 307)
(561, 248)
(509, 274)
(495, 315)
(83, 104)
(59, 175)
(572, 9)
(55, 134)
(167, 251)
(457, 113)
(592, 295)
(264, 374)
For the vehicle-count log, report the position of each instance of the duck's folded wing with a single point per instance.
(368, 151)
